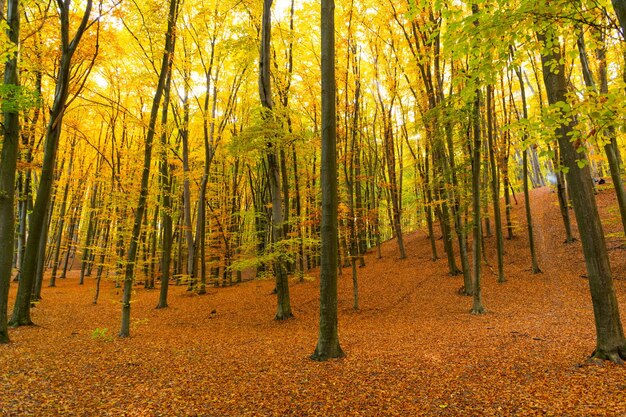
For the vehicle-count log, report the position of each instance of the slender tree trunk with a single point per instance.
(561, 192)
(145, 178)
(21, 310)
(459, 224)
(620, 10)
(102, 259)
(506, 183)
(28, 141)
(42, 249)
(61, 224)
(71, 233)
(428, 200)
(8, 164)
(184, 133)
(538, 177)
(394, 191)
(88, 251)
(443, 209)
(328, 338)
(166, 199)
(529, 217)
(208, 131)
(495, 185)
(477, 307)
(283, 310)
(610, 148)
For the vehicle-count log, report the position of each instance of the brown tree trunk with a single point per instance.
(610, 342)
(129, 272)
(495, 184)
(328, 338)
(529, 217)
(21, 310)
(283, 310)
(8, 164)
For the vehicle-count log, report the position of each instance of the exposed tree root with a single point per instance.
(616, 356)
(330, 352)
(478, 310)
(20, 323)
(282, 316)
(463, 291)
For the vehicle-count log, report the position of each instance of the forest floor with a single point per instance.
(413, 348)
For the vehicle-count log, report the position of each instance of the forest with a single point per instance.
(201, 200)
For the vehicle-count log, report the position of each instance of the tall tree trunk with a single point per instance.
(561, 191)
(393, 183)
(495, 184)
(61, 223)
(8, 165)
(459, 224)
(620, 10)
(184, 133)
(21, 310)
(477, 306)
(41, 257)
(145, 177)
(71, 234)
(208, 129)
(427, 193)
(610, 341)
(165, 180)
(283, 310)
(328, 338)
(610, 148)
(88, 251)
(28, 141)
(529, 217)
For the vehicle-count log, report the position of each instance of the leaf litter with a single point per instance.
(413, 348)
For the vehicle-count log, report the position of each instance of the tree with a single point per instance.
(8, 164)
(129, 273)
(283, 310)
(610, 341)
(620, 10)
(529, 217)
(165, 181)
(477, 306)
(328, 339)
(21, 310)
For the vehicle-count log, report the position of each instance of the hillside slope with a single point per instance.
(412, 349)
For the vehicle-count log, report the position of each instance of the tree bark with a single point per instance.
(529, 217)
(145, 177)
(477, 307)
(21, 310)
(495, 185)
(8, 165)
(610, 342)
(166, 198)
(61, 223)
(620, 10)
(283, 310)
(328, 338)
(610, 147)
